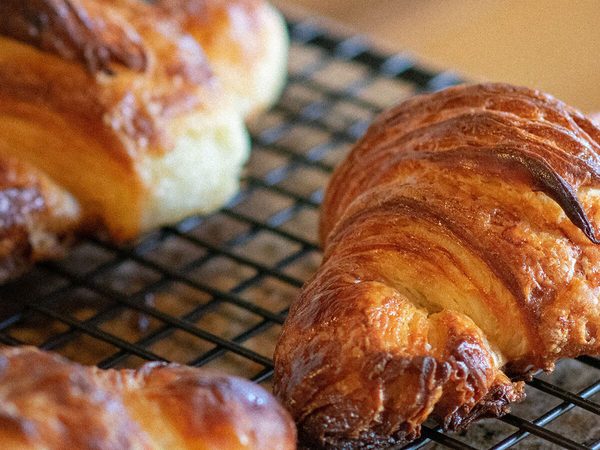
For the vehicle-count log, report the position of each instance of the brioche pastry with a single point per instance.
(246, 43)
(460, 239)
(50, 403)
(37, 217)
(119, 105)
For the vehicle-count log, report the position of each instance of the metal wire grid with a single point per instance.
(214, 291)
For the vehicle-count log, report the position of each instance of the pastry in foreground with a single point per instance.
(117, 103)
(246, 43)
(460, 239)
(37, 217)
(47, 402)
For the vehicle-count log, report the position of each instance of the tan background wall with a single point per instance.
(552, 45)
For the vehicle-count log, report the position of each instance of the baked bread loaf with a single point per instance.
(460, 240)
(246, 43)
(47, 402)
(118, 103)
(37, 217)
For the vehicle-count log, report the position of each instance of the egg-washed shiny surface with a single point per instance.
(51, 403)
(122, 89)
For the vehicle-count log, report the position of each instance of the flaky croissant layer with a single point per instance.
(49, 403)
(460, 240)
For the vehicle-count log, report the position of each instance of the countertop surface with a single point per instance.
(551, 45)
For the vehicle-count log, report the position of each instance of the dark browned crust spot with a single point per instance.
(540, 174)
(495, 404)
(65, 28)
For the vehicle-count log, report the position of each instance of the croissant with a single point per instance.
(460, 239)
(50, 403)
(119, 104)
(37, 217)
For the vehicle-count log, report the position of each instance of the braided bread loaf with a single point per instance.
(119, 103)
(49, 403)
(460, 241)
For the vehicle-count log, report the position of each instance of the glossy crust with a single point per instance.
(460, 241)
(246, 43)
(117, 103)
(37, 217)
(50, 403)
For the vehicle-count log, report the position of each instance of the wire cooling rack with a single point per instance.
(213, 291)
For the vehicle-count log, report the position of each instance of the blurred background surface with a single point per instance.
(551, 45)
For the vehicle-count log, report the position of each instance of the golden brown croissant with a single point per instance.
(460, 241)
(119, 105)
(37, 217)
(50, 403)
